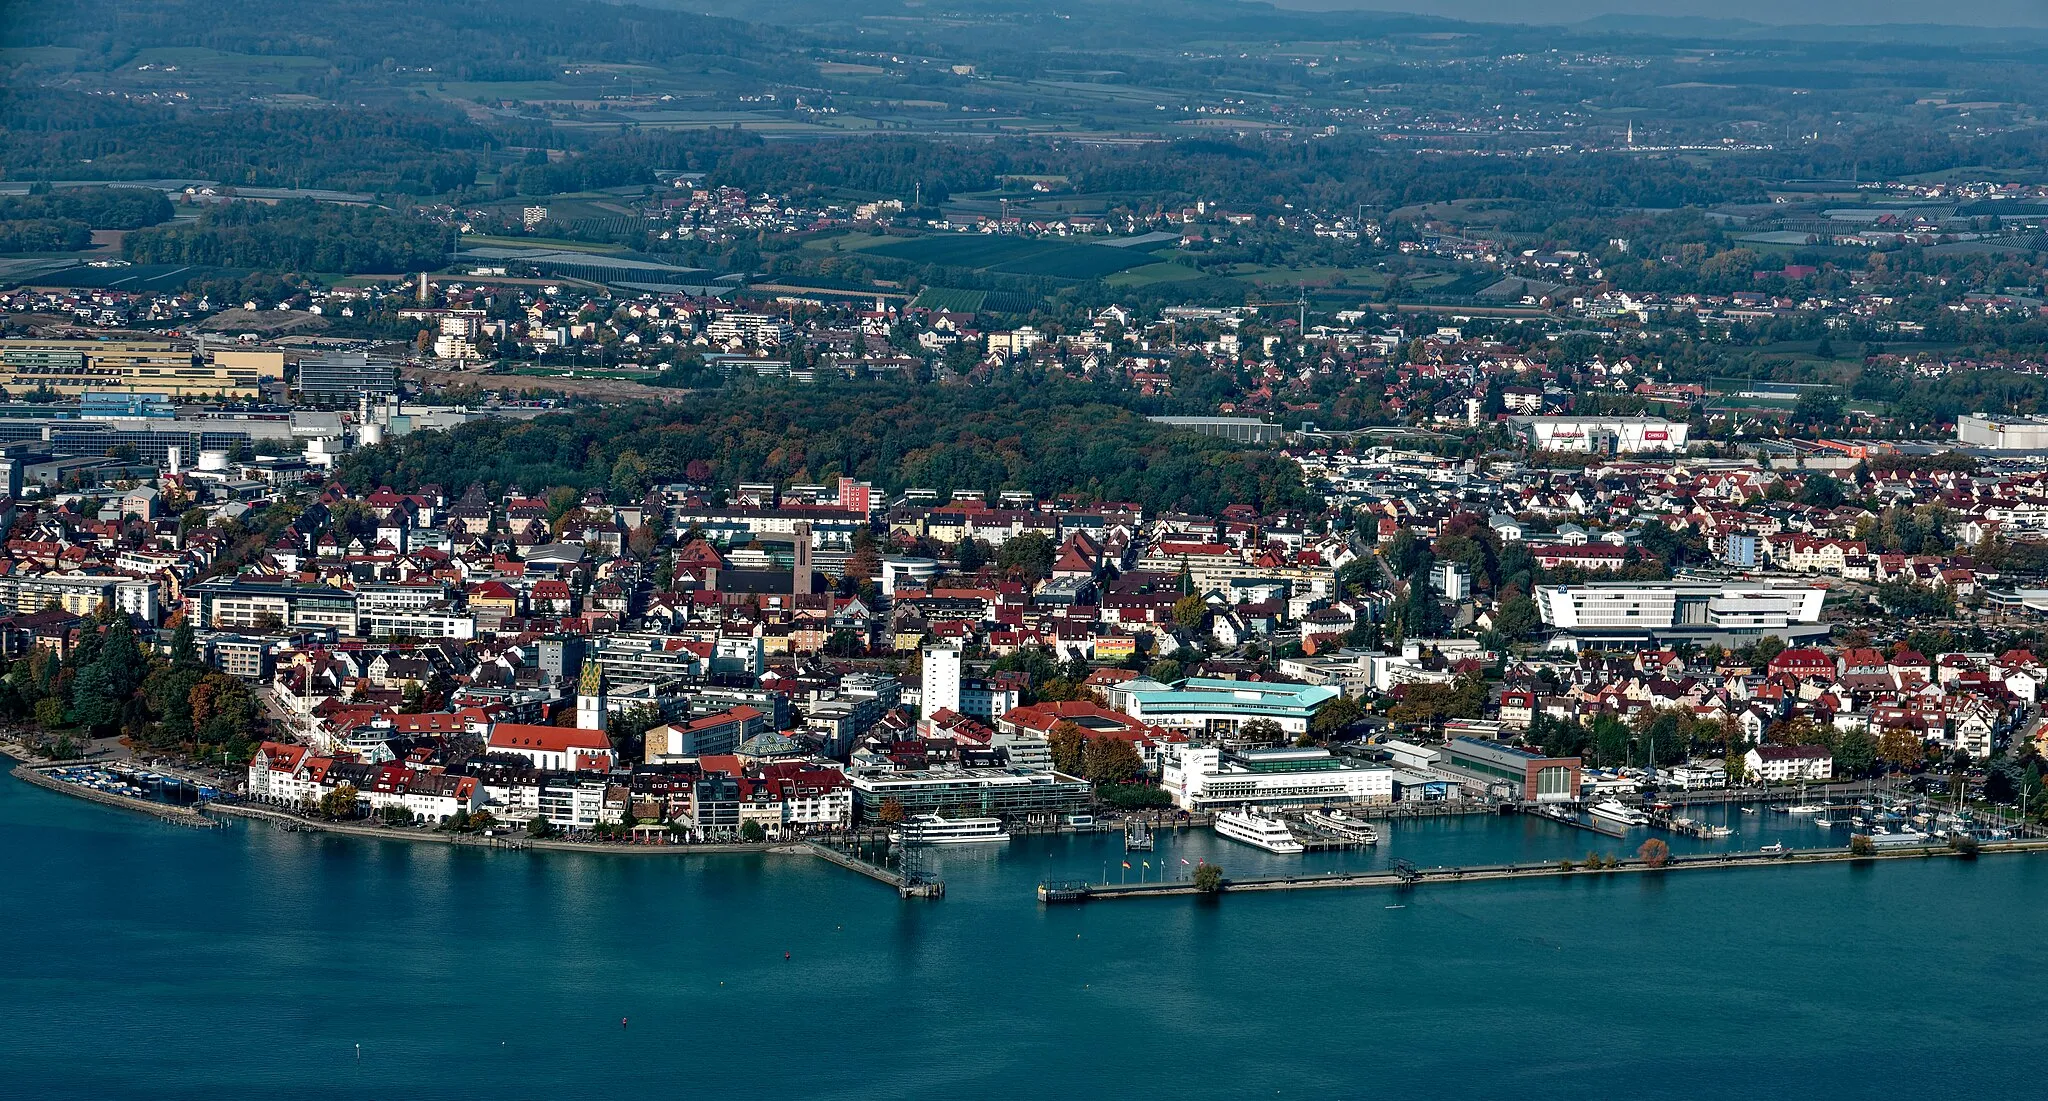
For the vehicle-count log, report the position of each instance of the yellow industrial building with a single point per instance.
(179, 369)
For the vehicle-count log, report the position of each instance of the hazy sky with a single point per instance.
(1982, 13)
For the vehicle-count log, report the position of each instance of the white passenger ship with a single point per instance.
(1253, 828)
(1339, 824)
(930, 829)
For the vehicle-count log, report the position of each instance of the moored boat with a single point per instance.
(1342, 825)
(1616, 811)
(1263, 831)
(931, 829)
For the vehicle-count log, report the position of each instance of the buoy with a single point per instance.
(622, 1022)
(785, 955)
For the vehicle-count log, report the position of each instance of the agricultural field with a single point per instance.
(951, 300)
(1148, 274)
(485, 240)
(1014, 255)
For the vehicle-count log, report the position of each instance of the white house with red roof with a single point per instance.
(277, 773)
(554, 748)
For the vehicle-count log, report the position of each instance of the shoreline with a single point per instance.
(299, 823)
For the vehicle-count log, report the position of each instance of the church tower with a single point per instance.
(590, 709)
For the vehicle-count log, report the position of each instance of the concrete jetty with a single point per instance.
(1404, 876)
(920, 888)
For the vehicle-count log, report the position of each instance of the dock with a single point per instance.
(911, 886)
(1404, 875)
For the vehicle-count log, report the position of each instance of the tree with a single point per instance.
(1031, 553)
(339, 803)
(753, 832)
(1517, 618)
(1861, 845)
(1261, 732)
(971, 554)
(890, 812)
(1068, 745)
(628, 730)
(1821, 490)
(1111, 760)
(1208, 878)
(1999, 785)
(1333, 717)
(539, 826)
(1901, 748)
(395, 815)
(1165, 671)
(1610, 741)
(1190, 611)
(1421, 615)
(1855, 754)
(1764, 649)
(1654, 853)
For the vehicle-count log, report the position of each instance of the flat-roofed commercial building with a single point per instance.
(1627, 614)
(345, 377)
(1234, 429)
(236, 604)
(1207, 777)
(1600, 435)
(1217, 708)
(2003, 433)
(959, 792)
(1530, 777)
(176, 368)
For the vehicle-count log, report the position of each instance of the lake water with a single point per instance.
(150, 960)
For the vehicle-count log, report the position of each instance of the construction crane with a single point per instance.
(1300, 303)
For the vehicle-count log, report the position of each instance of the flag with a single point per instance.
(1183, 861)
(1127, 865)
(1146, 863)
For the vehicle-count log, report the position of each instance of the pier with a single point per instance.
(914, 884)
(1404, 875)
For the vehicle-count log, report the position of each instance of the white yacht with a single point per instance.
(1805, 808)
(930, 829)
(1615, 811)
(1253, 828)
(1336, 822)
